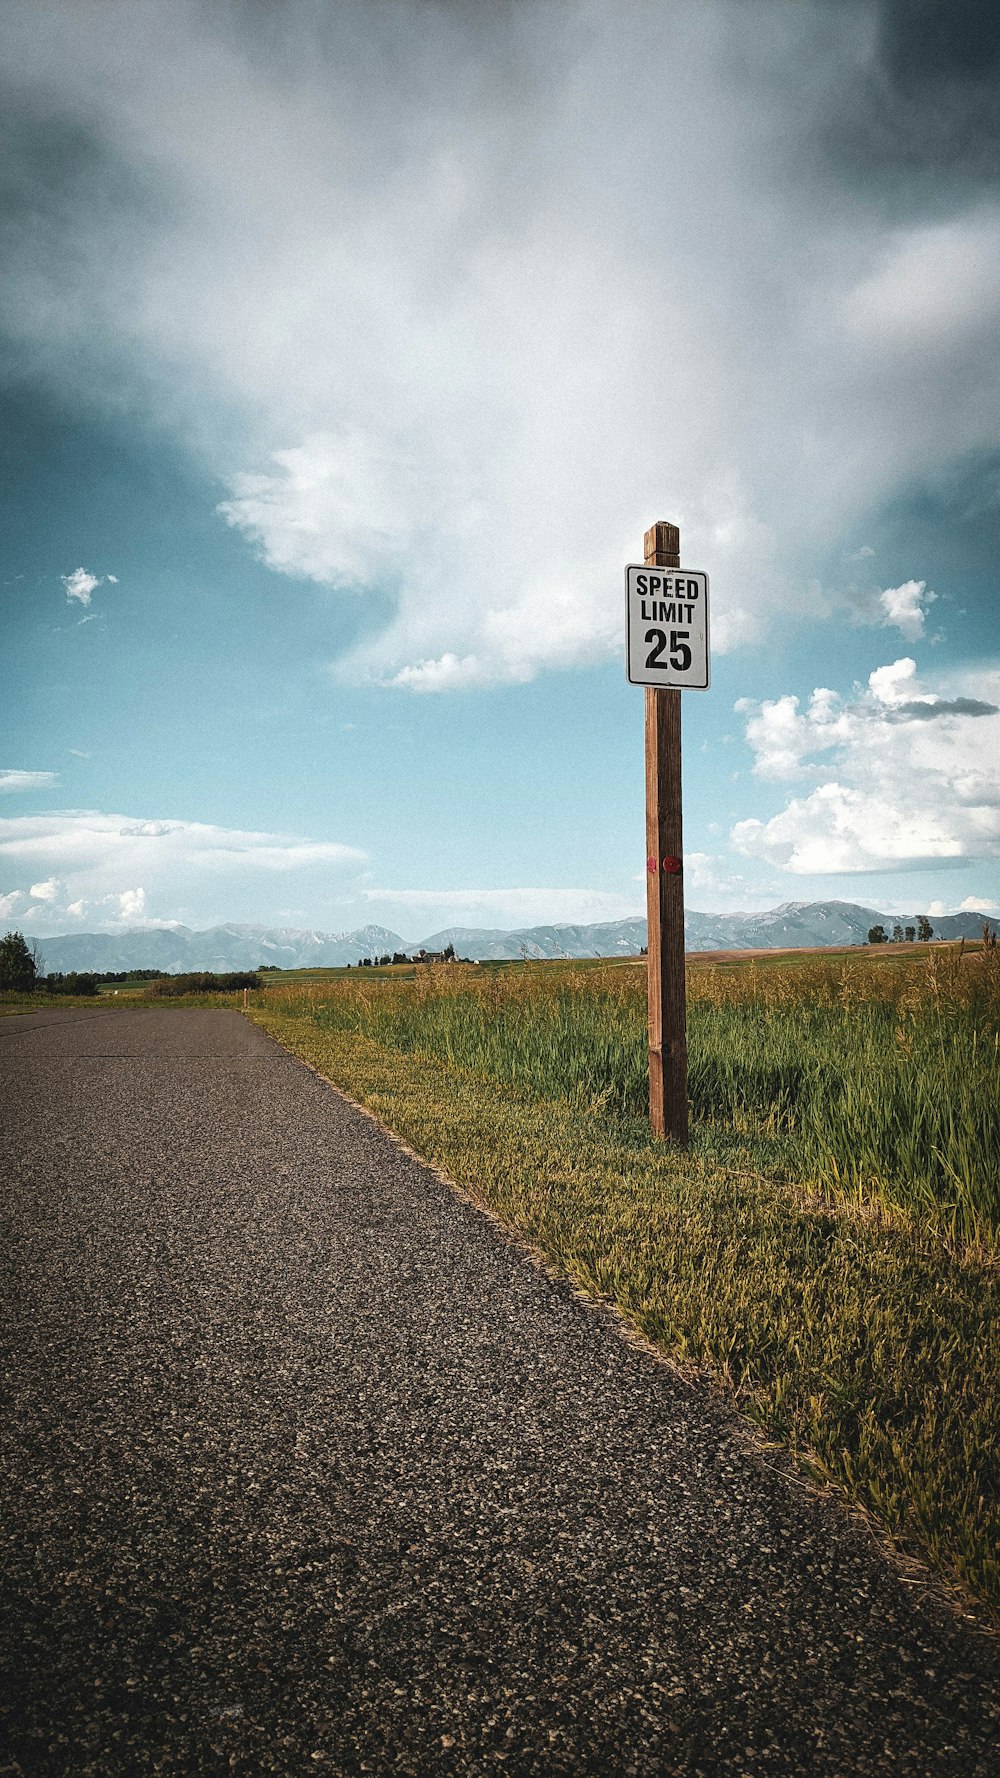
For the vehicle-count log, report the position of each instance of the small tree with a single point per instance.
(74, 983)
(897, 934)
(449, 953)
(876, 935)
(925, 931)
(911, 933)
(18, 967)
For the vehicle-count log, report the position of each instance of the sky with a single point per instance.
(348, 350)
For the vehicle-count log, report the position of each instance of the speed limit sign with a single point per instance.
(666, 627)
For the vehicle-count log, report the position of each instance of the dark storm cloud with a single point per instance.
(73, 214)
(921, 109)
(46, 164)
(924, 41)
(436, 271)
(55, 163)
(920, 711)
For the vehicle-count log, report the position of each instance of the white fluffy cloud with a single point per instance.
(80, 585)
(111, 870)
(133, 904)
(893, 684)
(47, 891)
(905, 608)
(454, 304)
(784, 739)
(839, 829)
(971, 904)
(12, 781)
(907, 774)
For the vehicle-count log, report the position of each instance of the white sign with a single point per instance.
(666, 627)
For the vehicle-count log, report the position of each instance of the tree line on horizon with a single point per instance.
(22, 971)
(923, 931)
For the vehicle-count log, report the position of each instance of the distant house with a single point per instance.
(445, 956)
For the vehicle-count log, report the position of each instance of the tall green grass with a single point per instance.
(878, 1083)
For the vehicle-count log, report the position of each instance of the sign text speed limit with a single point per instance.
(667, 627)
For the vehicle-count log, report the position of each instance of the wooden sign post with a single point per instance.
(668, 1098)
(667, 651)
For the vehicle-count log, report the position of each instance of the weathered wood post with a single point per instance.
(668, 1098)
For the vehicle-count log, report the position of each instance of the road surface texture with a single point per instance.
(310, 1469)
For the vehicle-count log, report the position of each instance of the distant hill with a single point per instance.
(177, 949)
(806, 924)
(613, 938)
(793, 925)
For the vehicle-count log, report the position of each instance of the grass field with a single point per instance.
(828, 1247)
(875, 1078)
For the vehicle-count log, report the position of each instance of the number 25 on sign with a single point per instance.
(667, 627)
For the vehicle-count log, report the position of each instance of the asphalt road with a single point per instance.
(307, 1468)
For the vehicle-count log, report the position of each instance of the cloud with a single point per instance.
(934, 288)
(12, 781)
(786, 740)
(708, 874)
(113, 870)
(783, 740)
(419, 324)
(925, 95)
(80, 585)
(47, 891)
(905, 607)
(972, 904)
(839, 829)
(889, 685)
(906, 779)
(447, 674)
(930, 710)
(869, 605)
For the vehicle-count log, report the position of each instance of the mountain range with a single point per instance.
(176, 949)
